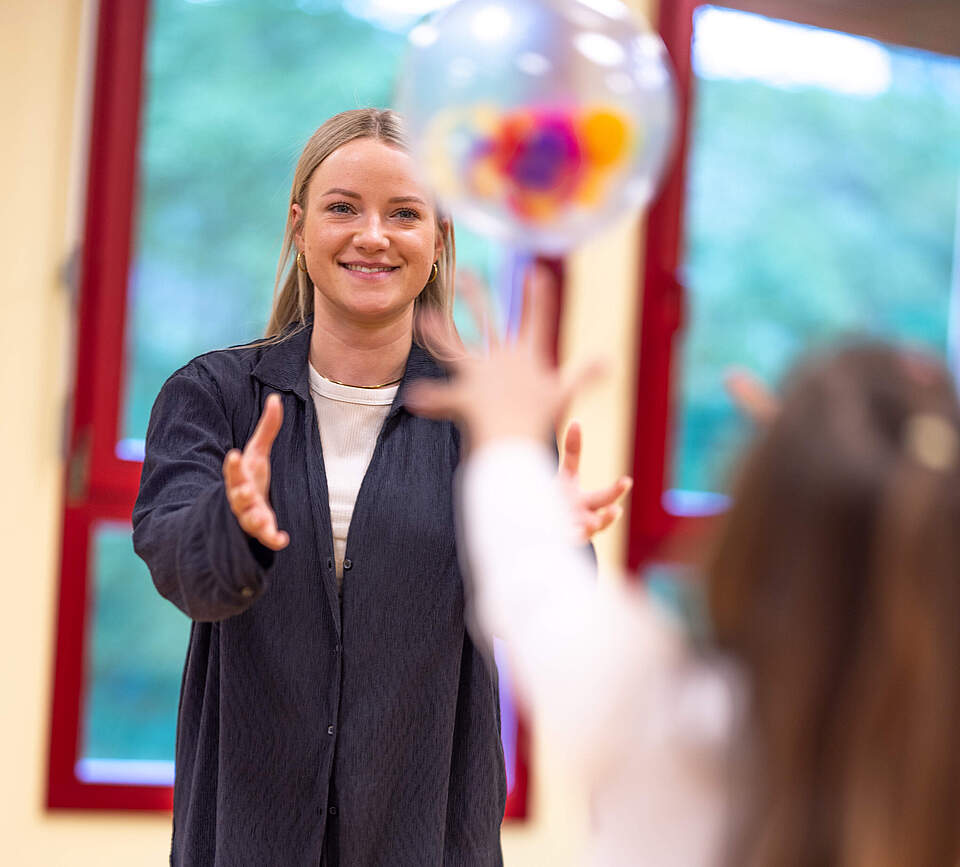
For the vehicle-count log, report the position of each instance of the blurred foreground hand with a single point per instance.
(751, 395)
(513, 390)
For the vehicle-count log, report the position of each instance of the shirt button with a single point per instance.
(332, 810)
(329, 563)
(246, 592)
(330, 730)
(347, 564)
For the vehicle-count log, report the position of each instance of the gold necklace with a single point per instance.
(348, 385)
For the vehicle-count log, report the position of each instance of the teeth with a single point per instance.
(363, 269)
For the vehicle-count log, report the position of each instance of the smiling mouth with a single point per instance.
(369, 269)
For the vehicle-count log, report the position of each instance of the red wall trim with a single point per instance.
(99, 486)
(662, 310)
(110, 213)
(517, 798)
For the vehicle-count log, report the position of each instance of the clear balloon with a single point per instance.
(539, 121)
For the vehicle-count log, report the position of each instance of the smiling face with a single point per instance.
(369, 233)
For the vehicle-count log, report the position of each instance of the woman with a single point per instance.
(332, 704)
(820, 726)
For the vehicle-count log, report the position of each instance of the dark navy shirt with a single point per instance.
(364, 732)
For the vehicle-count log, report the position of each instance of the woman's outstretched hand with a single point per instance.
(594, 510)
(246, 476)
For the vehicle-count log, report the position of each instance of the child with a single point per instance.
(819, 728)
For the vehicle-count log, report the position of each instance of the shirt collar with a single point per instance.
(285, 365)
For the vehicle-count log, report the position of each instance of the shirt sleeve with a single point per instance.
(183, 528)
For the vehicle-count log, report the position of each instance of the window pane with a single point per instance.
(822, 201)
(508, 713)
(233, 91)
(134, 659)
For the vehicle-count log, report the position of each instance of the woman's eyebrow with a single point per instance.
(341, 192)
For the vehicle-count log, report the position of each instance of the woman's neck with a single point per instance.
(355, 353)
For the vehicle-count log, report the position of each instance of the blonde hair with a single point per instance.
(292, 290)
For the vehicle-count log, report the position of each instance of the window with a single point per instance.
(815, 195)
(200, 109)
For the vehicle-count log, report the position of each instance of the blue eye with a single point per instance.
(408, 214)
(340, 208)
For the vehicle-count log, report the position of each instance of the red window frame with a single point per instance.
(655, 532)
(661, 318)
(98, 485)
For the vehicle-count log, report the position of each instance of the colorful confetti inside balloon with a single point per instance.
(539, 121)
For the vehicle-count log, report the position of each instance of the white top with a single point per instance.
(350, 419)
(606, 674)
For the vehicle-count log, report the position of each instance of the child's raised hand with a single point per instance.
(514, 389)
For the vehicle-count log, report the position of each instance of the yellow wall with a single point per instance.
(41, 55)
(44, 73)
(601, 307)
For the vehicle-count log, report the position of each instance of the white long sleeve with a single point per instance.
(606, 674)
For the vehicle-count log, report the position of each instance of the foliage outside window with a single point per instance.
(821, 201)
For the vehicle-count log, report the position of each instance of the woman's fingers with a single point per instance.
(605, 517)
(572, 444)
(261, 523)
(589, 525)
(233, 469)
(248, 505)
(597, 510)
(245, 468)
(273, 538)
(267, 427)
(278, 541)
(246, 475)
(592, 523)
(606, 497)
(242, 497)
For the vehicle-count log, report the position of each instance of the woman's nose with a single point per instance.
(371, 234)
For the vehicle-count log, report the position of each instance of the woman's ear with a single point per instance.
(296, 219)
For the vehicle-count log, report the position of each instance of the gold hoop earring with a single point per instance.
(434, 272)
(301, 261)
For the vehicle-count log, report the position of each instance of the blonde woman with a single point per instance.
(333, 708)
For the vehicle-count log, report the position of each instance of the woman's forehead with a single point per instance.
(369, 165)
